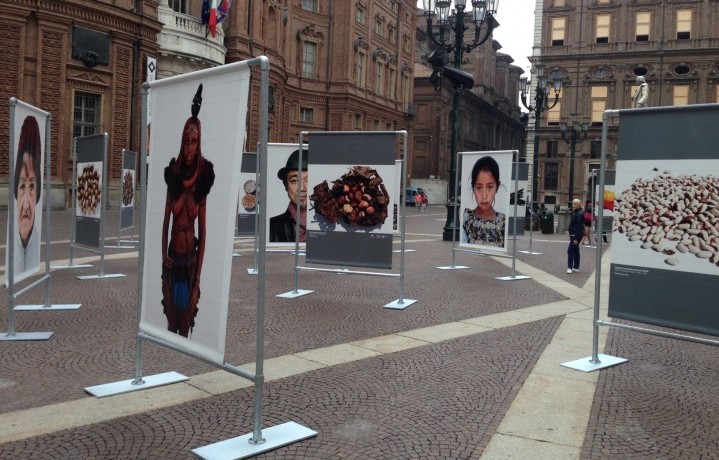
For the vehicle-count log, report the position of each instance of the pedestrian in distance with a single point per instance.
(576, 230)
(418, 201)
(588, 220)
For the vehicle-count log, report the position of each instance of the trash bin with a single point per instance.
(546, 221)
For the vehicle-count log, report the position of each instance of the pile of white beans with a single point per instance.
(682, 211)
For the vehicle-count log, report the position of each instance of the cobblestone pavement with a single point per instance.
(443, 398)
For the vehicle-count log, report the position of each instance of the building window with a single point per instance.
(552, 149)
(595, 149)
(551, 176)
(378, 29)
(87, 114)
(392, 34)
(379, 83)
(358, 121)
(392, 83)
(716, 94)
(307, 114)
(602, 28)
(603, 2)
(599, 102)
(644, 21)
(405, 44)
(376, 125)
(178, 5)
(309, 5)
(360, 14)
(680, 95)
(554, 113)
(406, 88)
(361, 70)
(684, 24)
(309, 59)
(558, 27)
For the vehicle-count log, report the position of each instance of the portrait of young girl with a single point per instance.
(484, 224)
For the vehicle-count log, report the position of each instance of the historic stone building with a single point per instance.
(337, 66)
(82, 62)
(600, 47)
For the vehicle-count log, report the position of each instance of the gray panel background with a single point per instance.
(353, 249)
(90, 148)
(356, 248)
(246, 222)
(675, 299)
(352, 149)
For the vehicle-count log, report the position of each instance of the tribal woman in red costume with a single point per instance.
(189, 178)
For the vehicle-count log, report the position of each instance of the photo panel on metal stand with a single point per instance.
(247, 209)
(517, 213)
(28, 169)
(665, 236)
(128, 188)
(532, 219)
(350, 212)
(183, 295)
(90, 171)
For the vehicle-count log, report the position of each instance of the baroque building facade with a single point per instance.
(599, 47)
(340, 66)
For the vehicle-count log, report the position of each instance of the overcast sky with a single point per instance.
(515, 31)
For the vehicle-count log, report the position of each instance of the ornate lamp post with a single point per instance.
(573, 135)
(541, 104)
(449, 38)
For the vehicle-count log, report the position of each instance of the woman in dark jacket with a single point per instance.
(576, 231)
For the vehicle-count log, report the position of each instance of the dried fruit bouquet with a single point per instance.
(359, 197)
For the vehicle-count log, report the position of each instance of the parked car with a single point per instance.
(410, 193)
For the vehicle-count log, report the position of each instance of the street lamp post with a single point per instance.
(573, 135)
(541, 104)
(482, 12)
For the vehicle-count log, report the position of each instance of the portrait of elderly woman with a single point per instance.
(189, 178)
(27, 189)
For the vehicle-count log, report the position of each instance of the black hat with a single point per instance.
(293, 164)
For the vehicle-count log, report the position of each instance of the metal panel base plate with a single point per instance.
(293, 294)
(126, 386)
(25, 336)
(61, 306)
(532, 252)
(252, 271)
(120, 247)
(406, 250)
(95, 277)
(240, 447)
(397, 305)
(513, 278)
(586, 364)
(452, 267)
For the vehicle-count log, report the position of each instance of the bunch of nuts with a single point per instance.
(88, 190)
(128, 188)
(682, 209)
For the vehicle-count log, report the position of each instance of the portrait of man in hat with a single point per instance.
(282, 226)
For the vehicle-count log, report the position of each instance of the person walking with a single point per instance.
(418, 201)
(576, 230)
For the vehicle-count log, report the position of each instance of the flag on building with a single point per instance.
(214, 12)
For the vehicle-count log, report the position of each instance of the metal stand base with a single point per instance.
(406, 250)
(94, 277)
(62, 306)
(25, 336)
(532, 252)
(400, 305)
(293, 294)
(586, 364)
(240, 447)
(65, 267)
(127, 386)
(236, 254)
(451, 267)
(252, 271)
(119, 247)
(513, 278)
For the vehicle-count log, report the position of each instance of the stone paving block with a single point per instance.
(337, 354)
(219, 382)
(550, 409)
(503, 447)
(444, 332)
(500, 320)
(389, 343)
